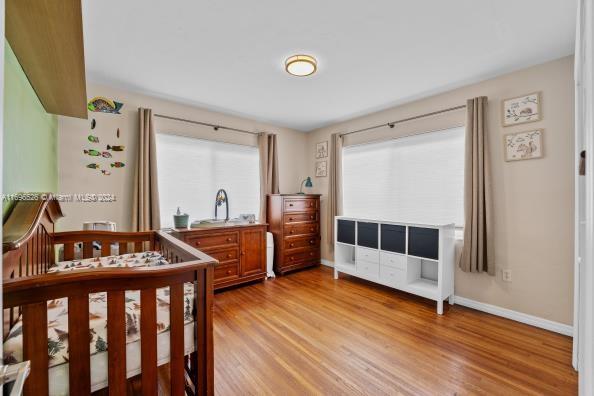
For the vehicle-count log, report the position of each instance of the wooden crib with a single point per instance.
(29, 251)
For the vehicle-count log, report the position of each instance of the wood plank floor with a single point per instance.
(306, 333)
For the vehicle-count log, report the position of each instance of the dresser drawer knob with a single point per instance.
(197, 243)
(311, 253)
(292, 245)
(291, 232)
(292, 258)
(311, 217)
(290, 219)
(311, 204)
(229, 255)
(228, 239)
(290, 204)
(228, 272)
(311, 229)
(311, 242)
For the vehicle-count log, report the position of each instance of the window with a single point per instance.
(412, 179)
(191, 171)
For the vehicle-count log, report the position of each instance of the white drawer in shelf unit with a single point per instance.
(394, 260)
(369, 255)
(367, 270)
(392, 276)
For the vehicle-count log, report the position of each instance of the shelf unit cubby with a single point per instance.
(415, 258)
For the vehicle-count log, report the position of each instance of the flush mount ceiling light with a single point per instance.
(301, 65)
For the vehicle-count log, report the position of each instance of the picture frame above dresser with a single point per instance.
(415, 258)
(294, 221)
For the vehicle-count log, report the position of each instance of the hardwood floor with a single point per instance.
(306, 333)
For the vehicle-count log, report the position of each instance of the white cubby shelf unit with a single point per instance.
(415, 258)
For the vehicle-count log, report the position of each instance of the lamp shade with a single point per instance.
(308, 182)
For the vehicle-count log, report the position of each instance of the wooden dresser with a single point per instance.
(240, 250)
(294, 220)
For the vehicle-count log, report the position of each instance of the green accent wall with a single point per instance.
(30, 152)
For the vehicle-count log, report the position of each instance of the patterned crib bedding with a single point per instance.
(57, 311)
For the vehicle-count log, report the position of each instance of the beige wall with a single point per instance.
(533, 200)
(74, 177)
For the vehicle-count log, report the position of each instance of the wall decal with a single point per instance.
(93, 166)
(321, 169)
(118, 133)
(521, 110)
(117, 164)
(106, 172)
(115, 148)
(93, 139)
(106, 154)
(100, 104)
(93, 153)
(322, 150)
(93, 123)
(524, 145)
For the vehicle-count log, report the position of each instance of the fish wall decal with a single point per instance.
(93, 123)
(106, 154)
(93, 166)
(117, 164)
(92, 152)
(93, 139)
(106, 172)
(118, 133)
(115, 148)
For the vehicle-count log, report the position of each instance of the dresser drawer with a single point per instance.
(367, 269)
(300, 217)
(393, 260)
(212, 240)
(369, 255)
(225, 272)
(300, 204)
(302, 229)
(392, 276)
(223, 255)
(309, 254)
(298, 243)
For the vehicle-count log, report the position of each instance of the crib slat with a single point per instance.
(148, 340)
(35, 348)
(138, 247)
(68, 251)
(79, 375)
(123, 248)
(176, 338)
(87, 250)
(116, 340)
(105, 248)
(203, 293)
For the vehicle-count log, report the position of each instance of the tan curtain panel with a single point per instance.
(477, 251)
(145, 211)
(268, 169)
(335, 185)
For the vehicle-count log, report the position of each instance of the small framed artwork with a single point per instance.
(321, 168)
(523, 145)
(322, 150)
(521, 110)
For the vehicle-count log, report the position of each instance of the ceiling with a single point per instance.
(228, 55)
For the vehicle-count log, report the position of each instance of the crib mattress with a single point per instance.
(57, 313)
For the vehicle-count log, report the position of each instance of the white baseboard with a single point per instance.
(327, 263)
(505, 313)
(515, 315)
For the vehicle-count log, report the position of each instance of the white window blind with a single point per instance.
(191, 171)
(412, 179)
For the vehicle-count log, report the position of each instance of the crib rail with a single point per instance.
(188, 265)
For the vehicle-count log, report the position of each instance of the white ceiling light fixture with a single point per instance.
(301, 65)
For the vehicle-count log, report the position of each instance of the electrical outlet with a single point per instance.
(506, 275)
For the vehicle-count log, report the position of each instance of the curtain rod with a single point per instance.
(391, 124)
(215, 127)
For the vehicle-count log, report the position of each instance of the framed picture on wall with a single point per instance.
(521, 109)
(322, 150)
(321, 168)
(523, 145)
